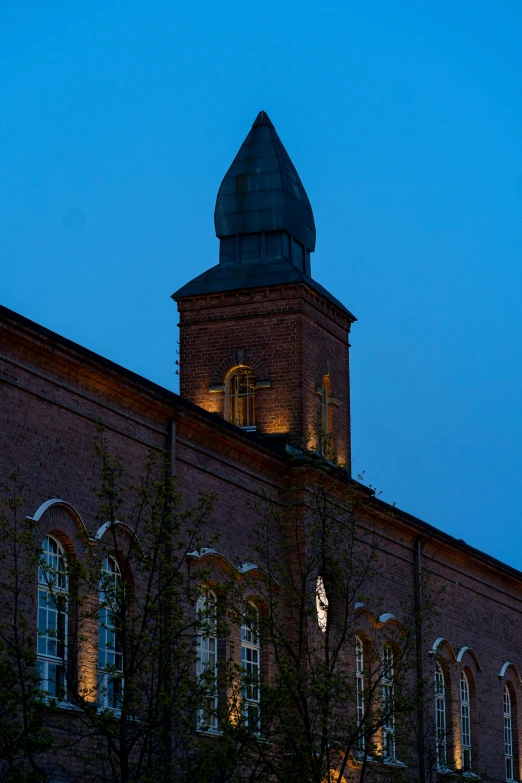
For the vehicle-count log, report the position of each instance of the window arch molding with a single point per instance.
(442, 648)
(240, 396)
(59, 518)
(510, 671)
(123, 530)
(56, 504)
(467, 656)
(239, 358)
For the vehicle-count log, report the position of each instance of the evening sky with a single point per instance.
(119, 120)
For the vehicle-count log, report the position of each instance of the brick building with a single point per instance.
(264, 373)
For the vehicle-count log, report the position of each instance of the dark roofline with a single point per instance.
(221, 279)
(167, 395)
(434, 532)
(271, 447)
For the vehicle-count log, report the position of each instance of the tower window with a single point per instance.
(240, 399)
(325, 441)
(326, 400)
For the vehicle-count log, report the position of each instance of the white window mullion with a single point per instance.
(440, 719)
(251, 665)
(388, 731)
(465, 722)
(359, 674)
(206, 662)
(508, 734)
(110, 654)
(53, 621)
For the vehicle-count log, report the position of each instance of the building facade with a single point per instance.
(264, 374)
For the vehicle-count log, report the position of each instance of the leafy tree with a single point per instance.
(321, 720)
(136, 721)
(25, 739)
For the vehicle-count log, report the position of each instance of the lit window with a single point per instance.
(465, 722)
(440, 718)
(251, 665)
(240, 400)
(508, 734)
(206, 665)
(110, 652)
(359, 674)
(321, 603)
(388, 712)
(53, 583)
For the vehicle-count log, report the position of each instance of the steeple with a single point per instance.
(261, 343)
(263, 194)
(263, 220)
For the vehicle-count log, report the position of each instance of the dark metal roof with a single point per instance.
(261, 201)
(221, 278)
(174, 401)
(262, 190)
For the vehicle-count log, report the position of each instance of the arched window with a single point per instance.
(508, 734)
(440, 718)
(53, 584)
(465, 722)
(240, 399)
(206, 665)
(251, 665)
(110, 652)
(359, 674)
(388, 711)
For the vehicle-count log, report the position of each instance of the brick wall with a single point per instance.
(294, 333)
(52, 393)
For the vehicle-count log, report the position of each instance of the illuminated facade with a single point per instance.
(264, 371)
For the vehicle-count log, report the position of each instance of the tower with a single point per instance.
(261, 342)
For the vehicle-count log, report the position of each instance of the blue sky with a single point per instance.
(404, 121)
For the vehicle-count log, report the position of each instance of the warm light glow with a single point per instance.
(334, 777)
(88, 683)
(321, 602)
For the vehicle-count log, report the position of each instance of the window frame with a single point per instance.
(466, 739)
(389, 749)
(509, 745)
(111, 680)
(441, 718)
(234, 396)
(207, 646)
(53, 595)
(251, 667)
(359, 690)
